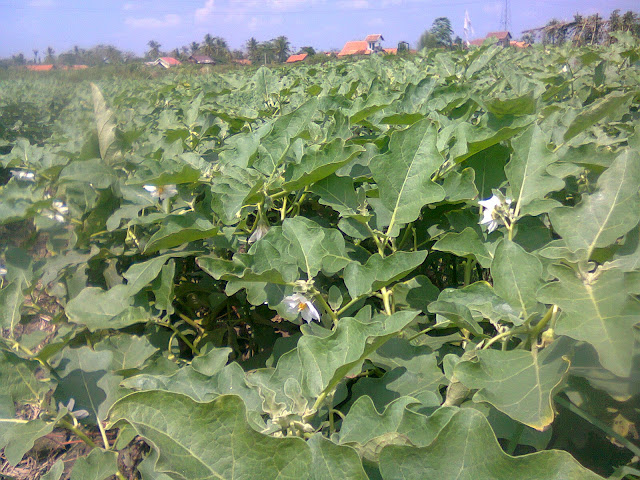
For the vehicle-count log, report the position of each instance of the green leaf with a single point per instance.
(326, 360)
(338, 193)
(596, 309)
(527, 170)
(379, 272)
(55, 472)
(334, 462)
(18, 379)
(231, 191)
(11, 300)
(467, 242)
(198, 441)
(128, 351)
(608, 213)
(317, 164)
(404, 173)
(467, 449)
(460, 186)
(520, 383)
(93, 171)
(163, 288)
(178, 229)
(104, 124)
(457, 314)
(98, 465)
(611, 105)
(517, 276)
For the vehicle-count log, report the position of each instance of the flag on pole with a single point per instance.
(468, 29)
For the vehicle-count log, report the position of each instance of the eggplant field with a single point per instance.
(399, 267)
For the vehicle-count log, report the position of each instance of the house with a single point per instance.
(370, 44)
(390, 51)
(166, 62)
(515, 43)
(503, 38)
(79, 67)
(40, 68)
(373, 42)
(201, 60)
(242, 61)
(297, 58)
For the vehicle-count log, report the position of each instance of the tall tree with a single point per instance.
(427, 40)
(252, 49)
(195, 46)
(208, 45)
(308, 50)
(442, 31)
(282, 48)
(154, 49)
(35, 55)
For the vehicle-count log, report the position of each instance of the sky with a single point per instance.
(26, 25)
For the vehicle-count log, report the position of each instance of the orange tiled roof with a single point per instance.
(297, 58)
(498, 35)
(373, 38)
(357, 47)
(514, 43)
(477, 42)
(392, 51)
(40, 68)
(171, 60)
(79, 67)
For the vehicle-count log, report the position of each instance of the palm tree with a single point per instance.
(35, 55)
(50, 53)
(154, 49)
(208, 45)
(195, 46)
(308, 50)
(281, 47)
(221, 48)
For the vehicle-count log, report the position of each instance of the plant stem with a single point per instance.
(500, 336)
(191, 322)
(467, 270)
(385, 300)
(179, 334)
(426, 330)
(597, 423)
(537, 330)
(78, 433)
(325, 306)
(349, 304)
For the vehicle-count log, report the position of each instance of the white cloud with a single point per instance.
(169, 20)
(41, 3)
(353, 4)
(202, 14)
(131, 6)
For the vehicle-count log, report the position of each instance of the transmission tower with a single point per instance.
(505, 18)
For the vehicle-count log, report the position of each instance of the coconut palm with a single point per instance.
(50, 53)
(35, 55)
(281, 47)
(252, 49)
(195, 46)
(154, 49)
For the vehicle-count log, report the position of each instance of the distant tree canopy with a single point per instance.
(439, 35)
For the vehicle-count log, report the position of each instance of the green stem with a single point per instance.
(78, 433)
(508, 333)
(191, 322)
(599, 424)
(537, 330)
(318, 296)
(349, 304)
(179, 334)
(386, 294)
(426, 330)
(468, 266)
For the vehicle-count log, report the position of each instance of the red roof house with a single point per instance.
(166, 62)
(40, 68)
(297, 58)
(358, 47)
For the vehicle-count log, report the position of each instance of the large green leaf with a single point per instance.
(611, 105)
(178, 229)
(467, 449)
(11, 300)
(379, 272)
(467, 242)
(520, 383)
(597, 309)
(98, 465)
(104, 124)
(527, 170)
(198, 441)
(517, 276)
(18, 378)
(334, 462)
(608, 213)
(404, 173)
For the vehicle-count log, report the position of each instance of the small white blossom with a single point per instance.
(260, 231)
(297, 303)
(492, 211)
(69, 406)
(22, 175)
(162, 192)
(58, 212)
(3, 269)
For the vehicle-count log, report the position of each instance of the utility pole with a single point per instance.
(505, 18)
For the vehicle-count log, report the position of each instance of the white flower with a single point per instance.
(60, 207)
(69, 406)
(261, 230)
(297, 303)
(161, 191)
(22, 175)
(58, 212)
(492, 212)
(3, 269)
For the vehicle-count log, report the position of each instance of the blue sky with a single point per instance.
(323, 24)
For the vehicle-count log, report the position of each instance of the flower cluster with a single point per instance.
(23, 175)
(57, 212)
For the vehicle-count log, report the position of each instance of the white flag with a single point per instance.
(468, 29)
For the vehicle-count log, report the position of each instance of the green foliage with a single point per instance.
(383, 268)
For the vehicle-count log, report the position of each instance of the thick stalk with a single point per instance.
(318, 296)
(78, 433)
